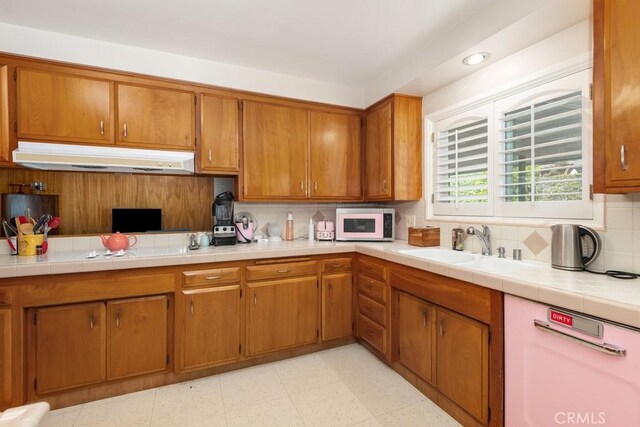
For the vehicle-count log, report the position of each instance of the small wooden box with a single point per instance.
(427, 236)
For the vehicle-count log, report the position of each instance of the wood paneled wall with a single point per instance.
(86, 199)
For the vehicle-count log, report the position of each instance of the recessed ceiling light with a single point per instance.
(476, 58)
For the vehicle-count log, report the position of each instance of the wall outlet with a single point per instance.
(411, 220)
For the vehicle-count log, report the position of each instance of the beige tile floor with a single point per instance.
(345, 386)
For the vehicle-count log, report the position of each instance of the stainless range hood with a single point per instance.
(82, 158)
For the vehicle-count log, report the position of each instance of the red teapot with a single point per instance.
(118, 241)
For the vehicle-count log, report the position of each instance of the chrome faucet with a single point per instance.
(484, 236)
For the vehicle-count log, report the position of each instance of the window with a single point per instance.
(520, 156)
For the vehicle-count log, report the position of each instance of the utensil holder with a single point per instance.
(27, 243)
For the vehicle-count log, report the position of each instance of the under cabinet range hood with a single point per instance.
(82, 158)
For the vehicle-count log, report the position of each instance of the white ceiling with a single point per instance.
(354, 43)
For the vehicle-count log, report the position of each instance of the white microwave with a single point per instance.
(368, 224)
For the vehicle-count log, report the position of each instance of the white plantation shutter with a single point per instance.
(541, 149)
(523, 156)
(461, 164)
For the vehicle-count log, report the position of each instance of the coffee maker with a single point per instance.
(224, 231)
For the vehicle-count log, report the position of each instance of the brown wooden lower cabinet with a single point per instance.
(281, 314)
(137, 336)
(462, 361)
(416, 333)
(5, 358)
(81, 344)
(337, 306)
(70, 346)
(211, 322)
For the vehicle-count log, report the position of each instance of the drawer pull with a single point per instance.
(371, 333)
(337, 266)
(286, 270)
(212, 277)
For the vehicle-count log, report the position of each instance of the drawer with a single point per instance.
(374, 289)
(211, 276)
(277, 271)
(372, 333)
(372, 269)
(334, 265)
(373, 310)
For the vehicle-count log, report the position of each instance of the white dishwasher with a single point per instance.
(566, 368)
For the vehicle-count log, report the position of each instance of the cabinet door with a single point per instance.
(337, 306)
(378, 154)
(70, 346)
(156, 118)
(211, 322)
(137, 336)
(274, 151)
(618, 39)
(416, 324)
(5, 357)
(218, 150)
(282, 314)
(334, 149)
(5, 149)
(63, 107)
(462, 371)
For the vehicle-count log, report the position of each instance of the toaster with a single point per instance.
(325, 230)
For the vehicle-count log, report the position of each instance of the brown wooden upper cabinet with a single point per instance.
(218, 146)
(334, 156)
(294, 153)
(393, 149)
(155, 117)
(274, 151)
(5, 148)
(616, 139)
(55, 106)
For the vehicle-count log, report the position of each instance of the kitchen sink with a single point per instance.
(499, 265)
(442, 255)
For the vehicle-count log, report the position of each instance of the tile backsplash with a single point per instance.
(621, 237)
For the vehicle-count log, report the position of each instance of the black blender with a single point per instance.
(224, 231)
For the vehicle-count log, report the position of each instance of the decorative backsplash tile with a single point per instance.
(535, 242)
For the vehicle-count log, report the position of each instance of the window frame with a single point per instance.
(595, 217)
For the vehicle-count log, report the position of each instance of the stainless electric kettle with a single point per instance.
(567, 249)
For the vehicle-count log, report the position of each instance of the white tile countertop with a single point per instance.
(602, 296)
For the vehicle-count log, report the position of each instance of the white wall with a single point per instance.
(44, 44)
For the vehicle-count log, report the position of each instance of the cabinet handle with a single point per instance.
(191, 307)
(424, 317)
(125, 129)
(337, 266)
(384, 185)
(370, 286)
(101, 127)
(92, 322)
(442, 328)
(315, 186)
(623, 161)
(371, 333)
(117, 318)
(302, 186)
(209, 155)
(212, 277)
(286, 270)
(255, 298)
